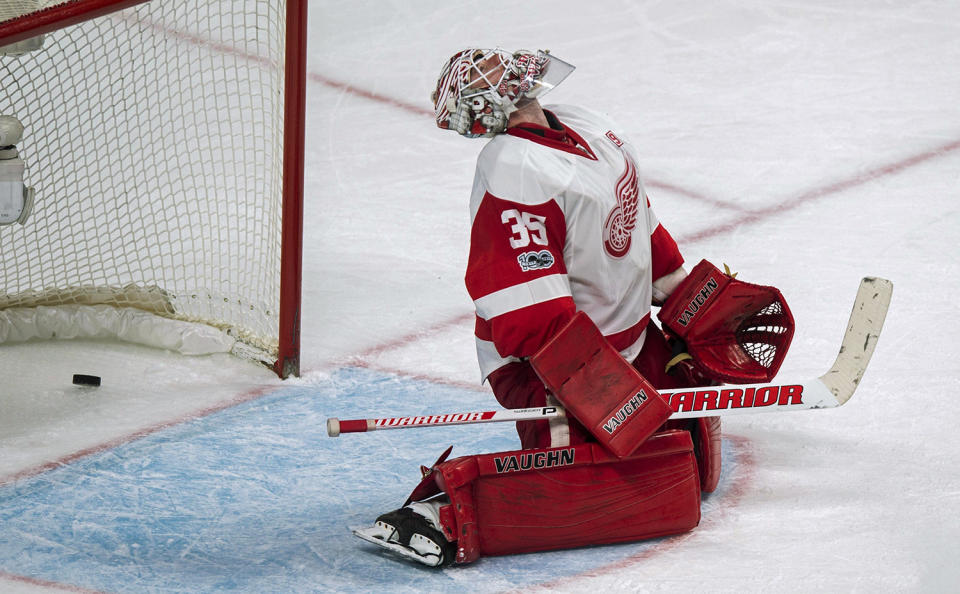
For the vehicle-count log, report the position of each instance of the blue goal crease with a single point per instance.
(258, 498)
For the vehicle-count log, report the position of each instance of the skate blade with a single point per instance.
(367, 534)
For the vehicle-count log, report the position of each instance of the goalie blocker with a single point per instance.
(598, 387)
(508, 502)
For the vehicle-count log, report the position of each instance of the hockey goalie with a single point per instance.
(567, 260)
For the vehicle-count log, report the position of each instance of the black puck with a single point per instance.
(86, 380)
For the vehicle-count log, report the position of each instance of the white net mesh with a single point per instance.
(153, 137)
(10, 9)
(763, 334)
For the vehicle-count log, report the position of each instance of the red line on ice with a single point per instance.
(822, 191)
(414, 336)
(674, 188)
(371, 95)
(12, 577)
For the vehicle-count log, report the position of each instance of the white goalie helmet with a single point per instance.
(478, 89)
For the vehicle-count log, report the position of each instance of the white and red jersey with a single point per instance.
(560, 222)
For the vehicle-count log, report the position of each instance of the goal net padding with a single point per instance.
(164, 143)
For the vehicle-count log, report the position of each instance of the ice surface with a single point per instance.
(805, 144)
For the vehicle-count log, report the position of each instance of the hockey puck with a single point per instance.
(86, 380)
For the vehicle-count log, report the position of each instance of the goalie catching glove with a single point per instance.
(733, 331)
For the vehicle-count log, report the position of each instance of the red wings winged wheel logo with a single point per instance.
(618, 230)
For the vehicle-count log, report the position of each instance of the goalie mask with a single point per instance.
(478, 89)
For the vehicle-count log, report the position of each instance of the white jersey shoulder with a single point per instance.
(527, 172)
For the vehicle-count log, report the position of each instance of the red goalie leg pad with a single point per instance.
(735, 331)
(538, 500)
(599, 388)
(707, 441)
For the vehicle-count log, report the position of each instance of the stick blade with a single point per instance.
(860, 339)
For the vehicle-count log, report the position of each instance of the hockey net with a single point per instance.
(164, 144)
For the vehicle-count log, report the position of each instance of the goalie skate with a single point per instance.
(411, 535)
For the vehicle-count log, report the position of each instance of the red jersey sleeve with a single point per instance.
(665, 254)
(516, 275)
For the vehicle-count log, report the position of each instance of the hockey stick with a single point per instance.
(832, 389)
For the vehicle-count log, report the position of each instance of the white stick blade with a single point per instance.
(863, 330)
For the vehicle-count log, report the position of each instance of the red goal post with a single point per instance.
(163, 140)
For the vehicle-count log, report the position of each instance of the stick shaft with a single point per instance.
(337, 426)
(686, 403)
